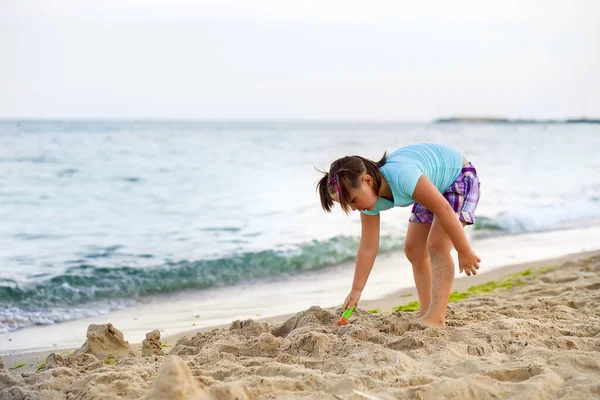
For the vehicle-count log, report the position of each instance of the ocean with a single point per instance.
(100, 216)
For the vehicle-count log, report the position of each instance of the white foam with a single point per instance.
(549, 217)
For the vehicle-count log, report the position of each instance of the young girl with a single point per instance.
(443, 188)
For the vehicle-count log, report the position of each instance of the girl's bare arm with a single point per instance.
(367, 250)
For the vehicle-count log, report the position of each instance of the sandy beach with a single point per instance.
(529, 331)
(191, 190)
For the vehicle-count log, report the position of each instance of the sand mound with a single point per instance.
(104, 341)
(175, 382)
(313, 317)
(151, 345)
(538, 339)
(82, 361)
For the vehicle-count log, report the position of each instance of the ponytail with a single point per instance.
(323, 189)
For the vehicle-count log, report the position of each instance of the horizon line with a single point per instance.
(466, 118)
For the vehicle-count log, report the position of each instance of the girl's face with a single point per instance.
(363, 197)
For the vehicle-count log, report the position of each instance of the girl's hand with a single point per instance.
(468, 261)
(352, 298)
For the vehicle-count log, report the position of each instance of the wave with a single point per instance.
(583, 212)
(88, 290)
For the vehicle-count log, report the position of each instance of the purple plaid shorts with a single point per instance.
(463, 196)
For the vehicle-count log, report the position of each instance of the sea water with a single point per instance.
(98, 216)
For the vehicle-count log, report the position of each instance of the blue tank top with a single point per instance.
(404, 167)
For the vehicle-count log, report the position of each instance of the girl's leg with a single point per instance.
(415, 248)
(442, 276)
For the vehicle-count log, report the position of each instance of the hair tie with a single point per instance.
(336, 181)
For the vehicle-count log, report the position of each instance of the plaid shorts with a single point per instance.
(463, 196)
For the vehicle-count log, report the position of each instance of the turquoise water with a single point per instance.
(98, 214)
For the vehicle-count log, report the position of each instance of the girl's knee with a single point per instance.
(438, 248)
(415, 251)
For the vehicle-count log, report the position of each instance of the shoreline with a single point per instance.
(180, 312)
(386, 304)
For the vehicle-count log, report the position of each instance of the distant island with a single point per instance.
(495, 120)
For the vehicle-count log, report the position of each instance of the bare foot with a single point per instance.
(430, 321)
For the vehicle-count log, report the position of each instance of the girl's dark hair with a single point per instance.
(344, 174)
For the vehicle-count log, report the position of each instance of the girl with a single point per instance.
(443, 187)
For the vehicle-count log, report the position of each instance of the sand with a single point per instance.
(538, 337)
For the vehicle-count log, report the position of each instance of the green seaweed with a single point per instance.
(490, 286)
(511, 281)
(374, 311)
(111, 359)
(550, 268)
(458, 296)
(18, 366)
(41, 367)
(412, 306)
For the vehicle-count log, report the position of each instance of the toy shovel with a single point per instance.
(344, 319)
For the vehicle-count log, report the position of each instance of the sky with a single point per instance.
(306, 60)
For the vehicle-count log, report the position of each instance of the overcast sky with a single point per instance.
(310, 59)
